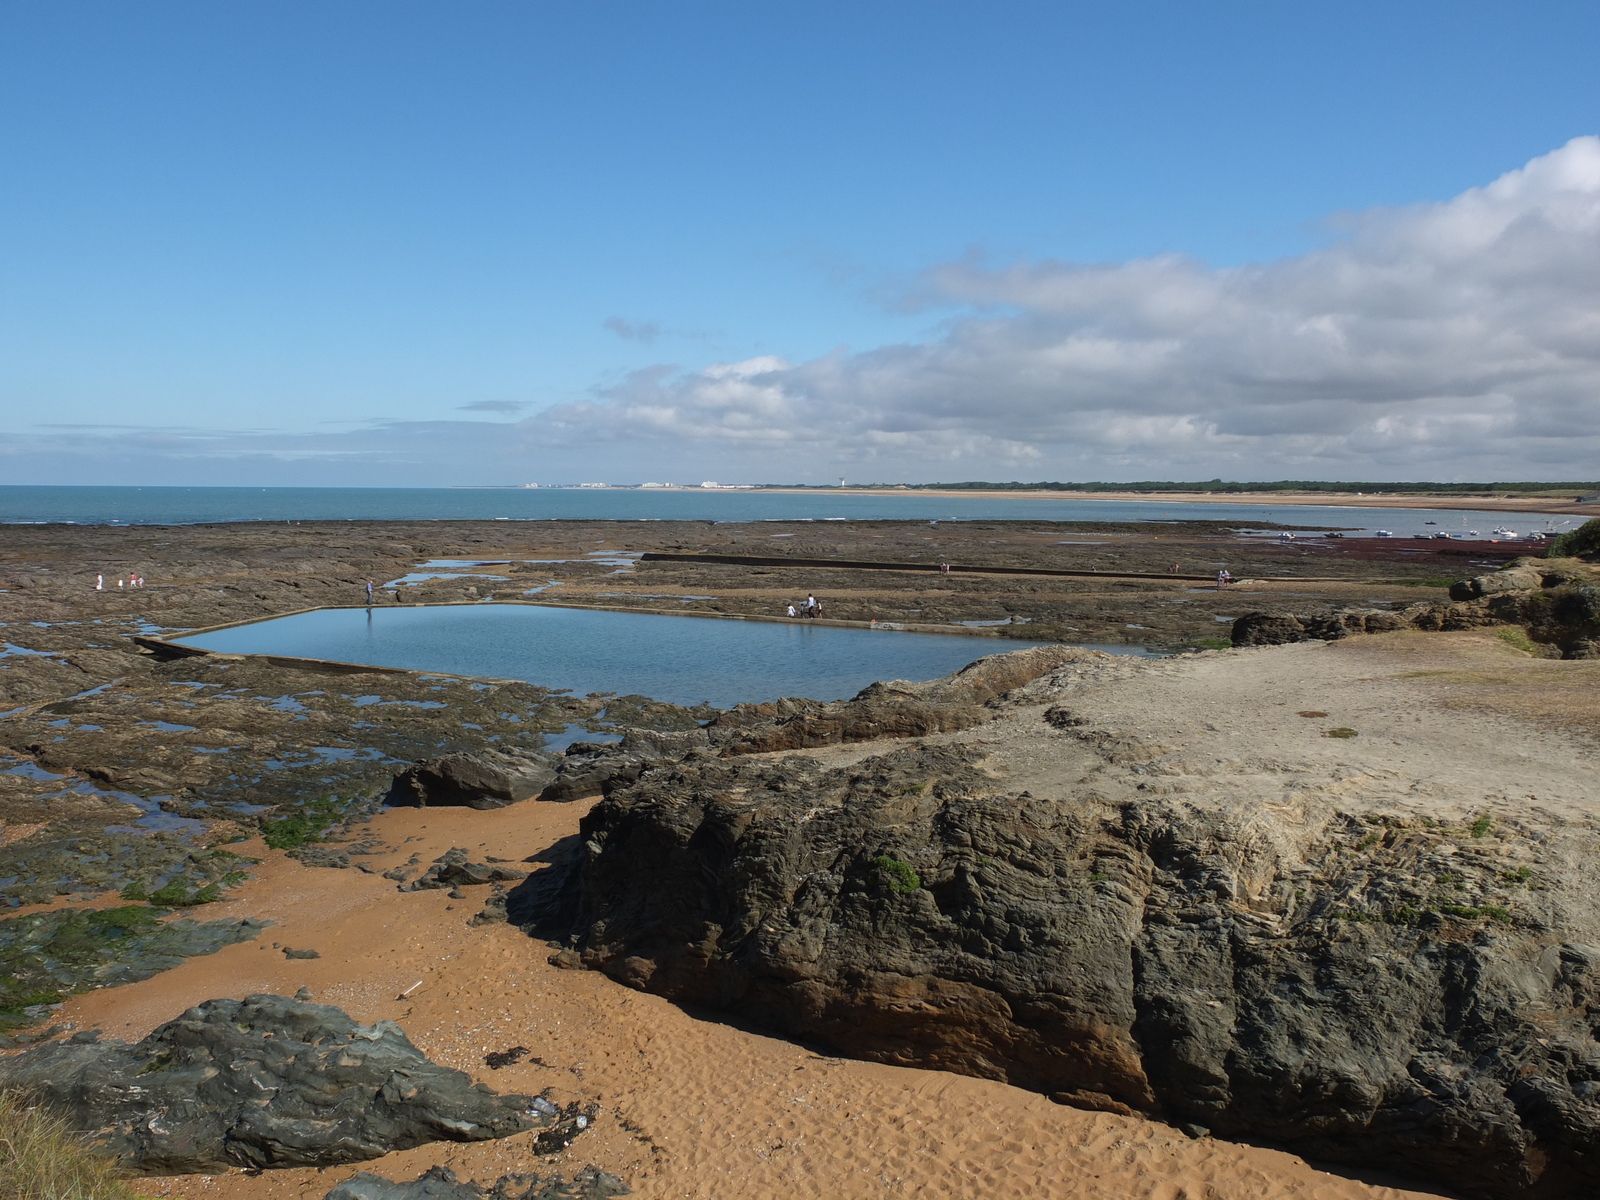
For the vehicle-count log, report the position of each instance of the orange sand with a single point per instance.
(691, 1107)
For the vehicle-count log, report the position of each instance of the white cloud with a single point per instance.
(1440, 340)
(1456, 340)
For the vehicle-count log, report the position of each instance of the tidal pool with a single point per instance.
(683, 660)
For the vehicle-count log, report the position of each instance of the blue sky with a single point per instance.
(328, 242)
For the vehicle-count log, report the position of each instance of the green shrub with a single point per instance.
(1482, 825)
(902, 876)
(1582, 542)
(1342, 731)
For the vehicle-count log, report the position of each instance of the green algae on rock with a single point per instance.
(48, 956)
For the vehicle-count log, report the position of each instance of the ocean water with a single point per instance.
(684, 660)
(192, 505)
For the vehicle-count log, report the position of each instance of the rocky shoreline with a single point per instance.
(1366, 980)
(1019, 872)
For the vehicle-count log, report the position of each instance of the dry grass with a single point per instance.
(1483, 671)
(40, 1159)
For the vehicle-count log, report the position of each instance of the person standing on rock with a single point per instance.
(369, 591)
(810, 605)
(99, 583)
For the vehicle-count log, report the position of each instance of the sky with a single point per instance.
(506, 241)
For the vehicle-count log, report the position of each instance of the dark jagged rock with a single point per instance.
(1276, 628)
(480, 779)
(1157, 958)
(440, 1183)
(263, 1082)
(452, 869)
(894, 709)
(588, 768)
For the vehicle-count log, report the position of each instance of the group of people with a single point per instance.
(1224, 578)
(131, 581)
(811, 608)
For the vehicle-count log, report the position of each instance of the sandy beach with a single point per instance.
(691, 1106)
(1507, 504)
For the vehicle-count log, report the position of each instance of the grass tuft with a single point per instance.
(903, 877)
(1515, 635)
(41, 1159)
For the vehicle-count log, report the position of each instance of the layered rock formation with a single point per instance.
(263, 1082)
(893, 709)
(1373, 988)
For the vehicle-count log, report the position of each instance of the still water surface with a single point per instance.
(684, 660)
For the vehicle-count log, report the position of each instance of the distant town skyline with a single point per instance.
(412, 243)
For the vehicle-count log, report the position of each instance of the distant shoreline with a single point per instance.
(1509, 504)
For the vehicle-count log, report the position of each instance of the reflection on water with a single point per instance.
(678, 659)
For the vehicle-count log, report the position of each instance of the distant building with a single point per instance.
(658, 485)
(584, 485)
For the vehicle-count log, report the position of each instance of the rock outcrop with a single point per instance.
(440, 1183)
(263, 1082)
(1558, 605)
(454, 869)
(480, 779)
(893, 709)
(1279, 628)
(1296, 978)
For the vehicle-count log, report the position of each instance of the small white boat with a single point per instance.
(1384, 533)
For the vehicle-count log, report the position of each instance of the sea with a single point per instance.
(22, 504)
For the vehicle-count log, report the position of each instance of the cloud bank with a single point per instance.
(1452, 340)
(1432, 341)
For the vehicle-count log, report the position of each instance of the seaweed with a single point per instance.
(48, 956)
